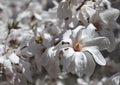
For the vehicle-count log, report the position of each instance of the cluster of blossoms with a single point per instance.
(66, 38)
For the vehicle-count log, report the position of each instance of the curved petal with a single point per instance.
(80, 63)
(111, 38)
(96, 55)
(67, 35)
(86, 12)
(76, 33)
(109, 15)
(66, 40)
(110, 35)
(90, 64)
(89, 33)
(66, 57)
(101, 42)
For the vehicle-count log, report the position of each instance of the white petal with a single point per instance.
(86, 12)
(8, 64)
(109, 15)
(47, 38)
(76, 33)
(66, 40)
(2, 58)
(101, 42)
(96, 55)
(80, 63)
(110, 35)
(88, 33)
(113, 44)
(66, 57)
(14, 58)
(90, 64)
(66, 35)
(37, 16)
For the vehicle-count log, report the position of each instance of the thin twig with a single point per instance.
(81, 5)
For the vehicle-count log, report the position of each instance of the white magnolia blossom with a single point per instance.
(106, 23)
(59, 42)
(74, 46)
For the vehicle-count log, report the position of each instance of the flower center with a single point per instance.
(97, 25)
(77, 46)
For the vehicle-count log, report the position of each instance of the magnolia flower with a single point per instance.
(86, 12)
(103, 18)
(79, 49)
(106, 23)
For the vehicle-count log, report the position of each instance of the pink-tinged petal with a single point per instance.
(80, 63)
(90, 64)
(8, 64)
(99, 59)
(101, 42)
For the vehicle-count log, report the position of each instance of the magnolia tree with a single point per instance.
(59, 42)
